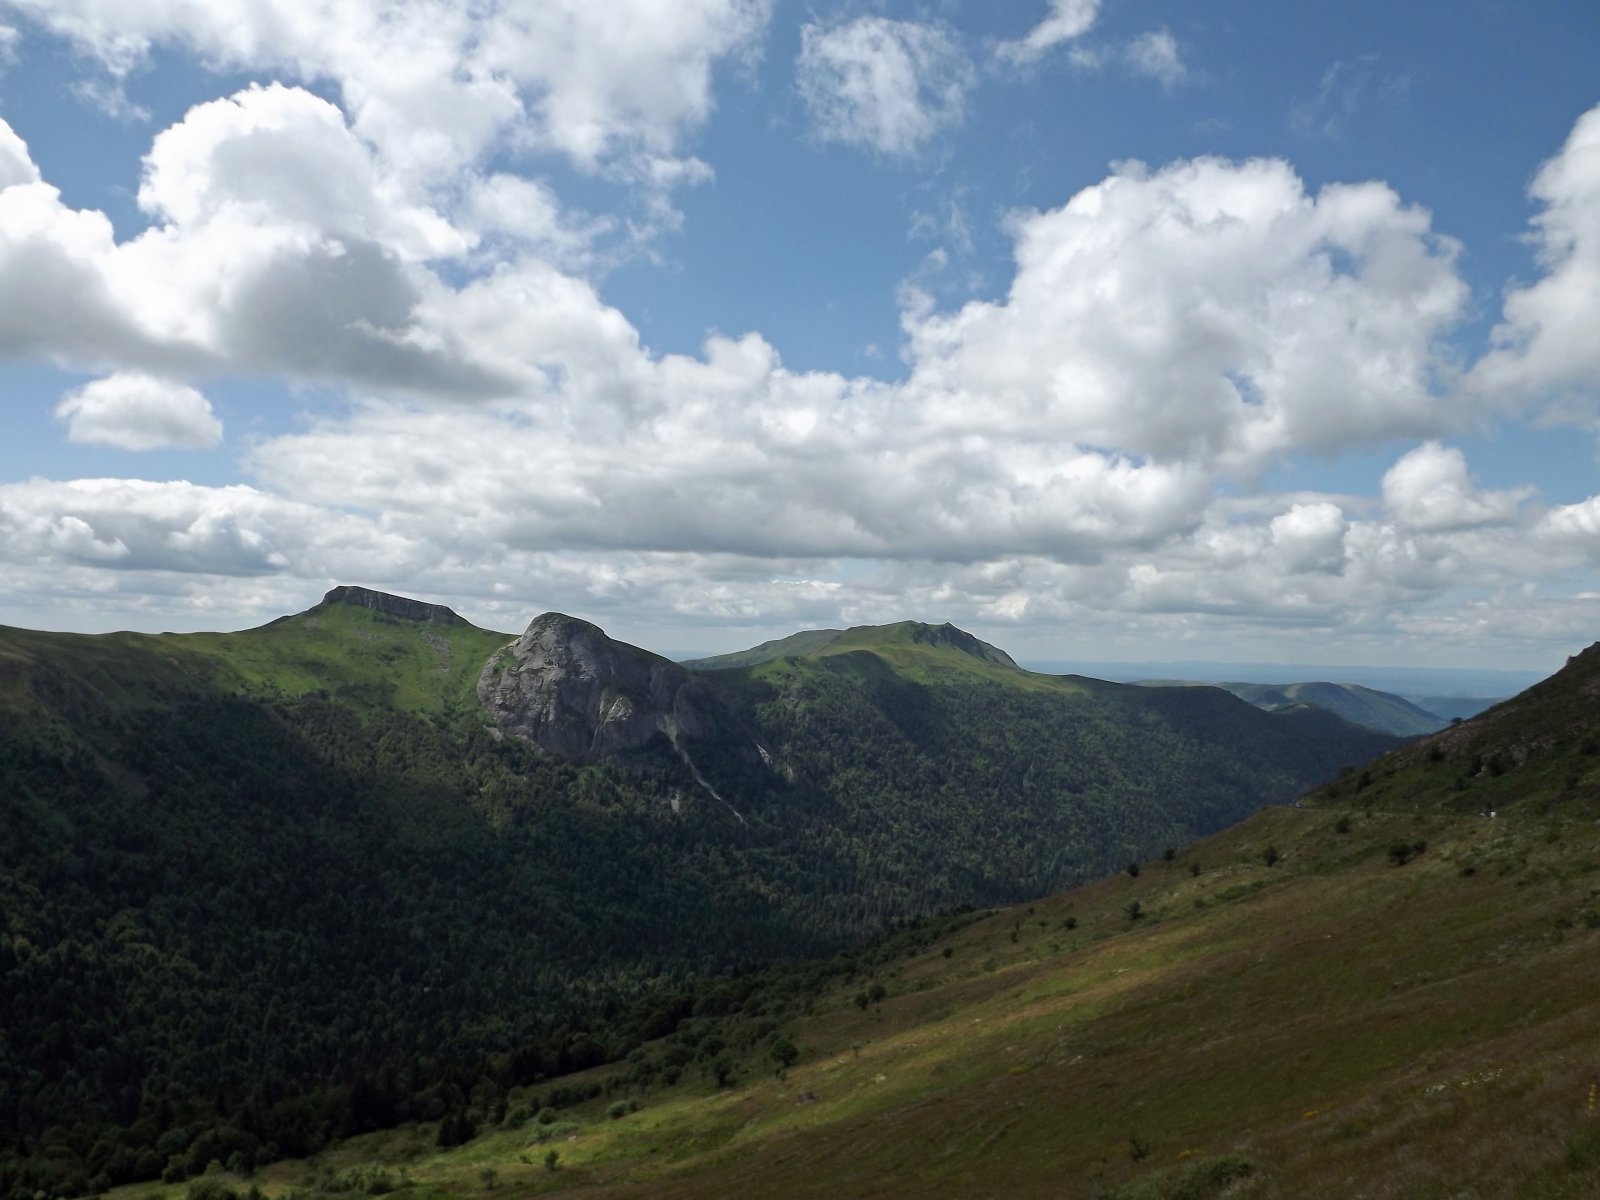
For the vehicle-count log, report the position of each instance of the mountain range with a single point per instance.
(1386, 990)
(271, 888)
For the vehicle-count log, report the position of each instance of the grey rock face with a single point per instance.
(564, 685)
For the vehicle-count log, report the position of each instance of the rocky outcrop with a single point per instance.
(564, 685)
(399, 607)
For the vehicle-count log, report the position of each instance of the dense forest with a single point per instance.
(263, 893)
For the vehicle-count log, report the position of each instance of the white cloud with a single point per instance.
(1156, 55)
(16, 165)
(134, 525)
(139, 412)
(1429, 489)
(435, 84)
(1209, 312)
(111, 98)
(889, 86)
(281, 156)
(1068, 21)
(1545, 349)
(281, 247)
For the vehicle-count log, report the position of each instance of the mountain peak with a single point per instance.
(567, 686)
(920, 633)
(400, 607)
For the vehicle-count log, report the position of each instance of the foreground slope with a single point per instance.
(1388, 995)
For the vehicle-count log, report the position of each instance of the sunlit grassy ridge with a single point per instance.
(355, 655)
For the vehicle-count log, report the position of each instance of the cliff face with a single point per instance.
(564, 685)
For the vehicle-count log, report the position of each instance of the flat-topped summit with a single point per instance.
(402, 608)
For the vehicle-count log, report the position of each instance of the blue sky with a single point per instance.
(1109, 329)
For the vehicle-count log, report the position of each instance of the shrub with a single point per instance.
(1133, 870)
(617, 1110)
(368, 1178)
(210, 1188)
(1270, 856)
(1134, 909)
(1342, 825)
(1403, 852)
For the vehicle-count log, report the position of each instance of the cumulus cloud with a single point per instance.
(1210, 312)
(1156, 55)
(1545, 348)
(434, 84)
(244, 269)
(884, 85)
(1068, 20)
(1430, 489)
(139, 412)
(16, 164)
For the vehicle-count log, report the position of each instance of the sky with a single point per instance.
(1106, 329)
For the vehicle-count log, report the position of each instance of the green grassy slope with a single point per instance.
(1333, 1024)
(347, 652)
(1386, 996)
(805, 642)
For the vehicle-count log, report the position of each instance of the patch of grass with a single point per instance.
(1195, 1181)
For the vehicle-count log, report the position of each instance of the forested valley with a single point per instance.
(265, 893)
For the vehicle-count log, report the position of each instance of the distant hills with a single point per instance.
(1358, 705)
(369, 862)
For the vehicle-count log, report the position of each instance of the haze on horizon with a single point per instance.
(1105, 331)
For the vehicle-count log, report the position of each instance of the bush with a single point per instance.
(210, 1188)
(1134, 909)
(1270, 856)
(1133, 870)
(618, 1110)
(544, 1133)
(368, 1178)
(1403, 852)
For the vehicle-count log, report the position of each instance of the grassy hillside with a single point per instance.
(807, 641)
(1359, 999)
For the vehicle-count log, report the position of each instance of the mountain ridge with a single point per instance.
(317, 827)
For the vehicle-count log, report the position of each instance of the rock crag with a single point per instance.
(567, 687)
